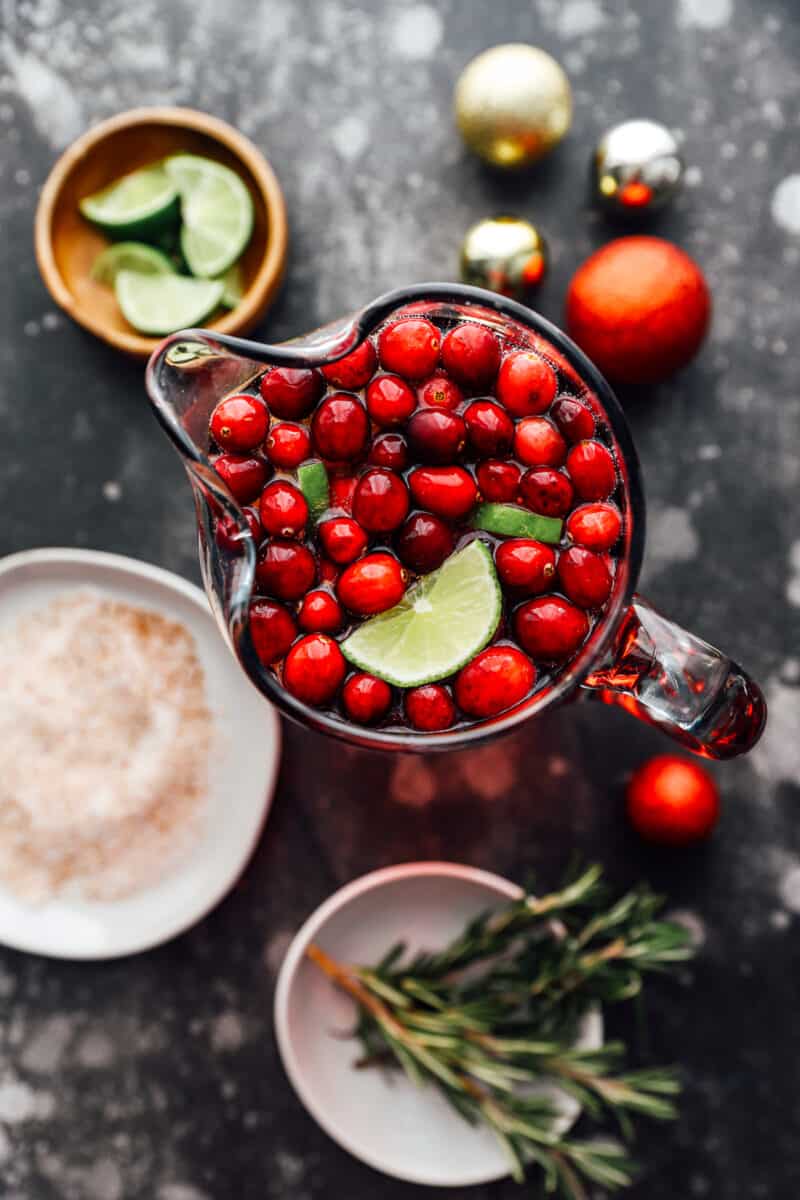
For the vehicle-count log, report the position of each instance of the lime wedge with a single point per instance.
(217, 213)
(130, 256)
(233, 286)
(140, 205)
(158, 304)
(507, 520)
(442, 622)
(313, 480)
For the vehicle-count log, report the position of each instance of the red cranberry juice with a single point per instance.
(420, 425)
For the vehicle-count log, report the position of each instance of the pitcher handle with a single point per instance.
(668, 677)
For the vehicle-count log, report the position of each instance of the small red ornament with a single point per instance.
(672, 800)
(639, 307)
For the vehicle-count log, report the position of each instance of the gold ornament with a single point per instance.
(505, 254)
(513, 103)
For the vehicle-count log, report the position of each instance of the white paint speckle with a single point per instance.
(704, 14)
(793, 582)
(780, 920)
(112, 490)
(350, 137)
(5, 1146)
(785, 205)
(776, 758)
(709, 452)
(772, 113)
(102, 1181)
(20, 1102)
(55, 109)
(290, 1167)
(95, 1050)
(44, 1051)
(672, 538)
(227, 1032)
(789, 887)
(579, 18)
(416, 32)
(31, 328)
(693, 177)
(180, 1191)
(275, 950)
(790, 671)
(22, 177)
(51, 321)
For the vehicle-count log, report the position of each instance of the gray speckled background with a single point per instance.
(157, 1078)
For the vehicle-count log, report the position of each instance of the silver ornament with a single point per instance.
(637, 167)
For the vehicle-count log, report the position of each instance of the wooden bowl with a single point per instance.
(67, 245)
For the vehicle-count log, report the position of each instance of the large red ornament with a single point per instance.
(639, 307)
(672, 800)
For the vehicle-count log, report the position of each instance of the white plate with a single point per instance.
(407, 1132)
(242, 776)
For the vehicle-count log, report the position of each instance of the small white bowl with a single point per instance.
(409, 1133)
(242, 776)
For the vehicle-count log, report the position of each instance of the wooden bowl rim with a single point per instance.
(270, 272)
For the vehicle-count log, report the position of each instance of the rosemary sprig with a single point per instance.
(494, 1015)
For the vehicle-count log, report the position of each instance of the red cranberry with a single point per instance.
(342, 488)
(410, 348)
(584, 576)
(429, 707)
(366, 699)
(340, 427)
(526, 384)
(525, 565)
(389, 450)
(380, 502)
(447, 491)
(229, 534)
(546, 491)
(496, 679)
(342, 539)
(314, 669)
(436, 435)
(573, 419)
(537, 443)
(424, 542)
(471, 355)
(592, 470)
(550, 628)
(320, 612)
(328, 571)
(291, 392)
(490, 429)
(283, 509)
(245, 476)
(239, 423)
(288, 445)
(285, 569)
(595, 525)
(440, 392)
(372, 584)
(390, 401)
(355, 371)
(272, 629)
(498, 481)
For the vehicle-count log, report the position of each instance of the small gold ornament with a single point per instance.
(505, 254)
(513, 104)
(636, 168)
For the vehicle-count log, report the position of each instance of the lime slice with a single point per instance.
(442, 622)
(233, 286)
(217, 213)
(507, 520)
(313, 480)
(129, 256)
(158, 304)
(140, 205)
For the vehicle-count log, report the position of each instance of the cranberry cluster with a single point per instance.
(415, 428)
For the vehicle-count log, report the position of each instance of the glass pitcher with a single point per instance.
(634, 657)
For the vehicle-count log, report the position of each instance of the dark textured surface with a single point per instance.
(157, 1078)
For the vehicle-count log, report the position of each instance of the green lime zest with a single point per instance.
(313, 480)
(509, 520)
(139, 206)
